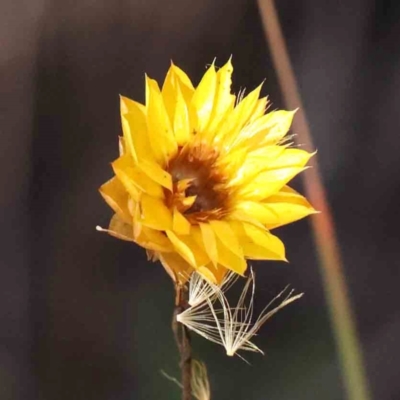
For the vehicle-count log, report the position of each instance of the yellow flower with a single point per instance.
(201, 178)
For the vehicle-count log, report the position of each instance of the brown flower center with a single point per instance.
(198, 191)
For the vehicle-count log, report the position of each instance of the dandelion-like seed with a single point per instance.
(233, 327)
(201, 289)
(202, 176)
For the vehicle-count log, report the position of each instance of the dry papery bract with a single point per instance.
(232, 327)
(200, 384)
(199, 381)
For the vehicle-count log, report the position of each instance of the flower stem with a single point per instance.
(182, 338)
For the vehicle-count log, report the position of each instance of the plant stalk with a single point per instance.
(330, 263)
(182, 338)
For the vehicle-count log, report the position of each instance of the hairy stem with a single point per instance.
(182, 338)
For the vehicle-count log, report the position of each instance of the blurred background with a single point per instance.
(84, 316)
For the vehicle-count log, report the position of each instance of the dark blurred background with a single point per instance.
(82, 315)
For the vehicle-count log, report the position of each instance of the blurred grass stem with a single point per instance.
(330, 263)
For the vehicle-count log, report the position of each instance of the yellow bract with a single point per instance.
(202, 178)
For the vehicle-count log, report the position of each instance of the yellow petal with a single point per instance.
(231, 260)
(134, 179)
(203, 98)
(176, 267)
(168, 92)
(156, 173)
(121, 146)
(254, 163)
(176, 80)
(187, 90)
(279, 172)
(161, 137)
(267, 130)
(278, 125)
(285, 207)
(279, 209)
(205, 272)
(180, 224)
(117, 198)
(181, 120)
(254, 251)
(134, 126)
(227, 236)
(238, 217)
(231, 162)
(196, 243)
(223, 98)
(269, 182)
(235, 121)
(184, 81)
(151, 239)
(152, 255)
(182, 248)
(154, 213)
(187, 202)
(209, 240)
(258, 211)
(214, 274)
(259, 109)
(145, 183)
(119, 229)
(295, 157)
(214, 128)
(122, 173)
(266, 240)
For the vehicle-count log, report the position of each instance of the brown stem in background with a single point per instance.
(327, 244)
(182, 338)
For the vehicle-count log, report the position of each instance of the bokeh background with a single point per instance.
(82, 315)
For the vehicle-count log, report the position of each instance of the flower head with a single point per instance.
(201, 178)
